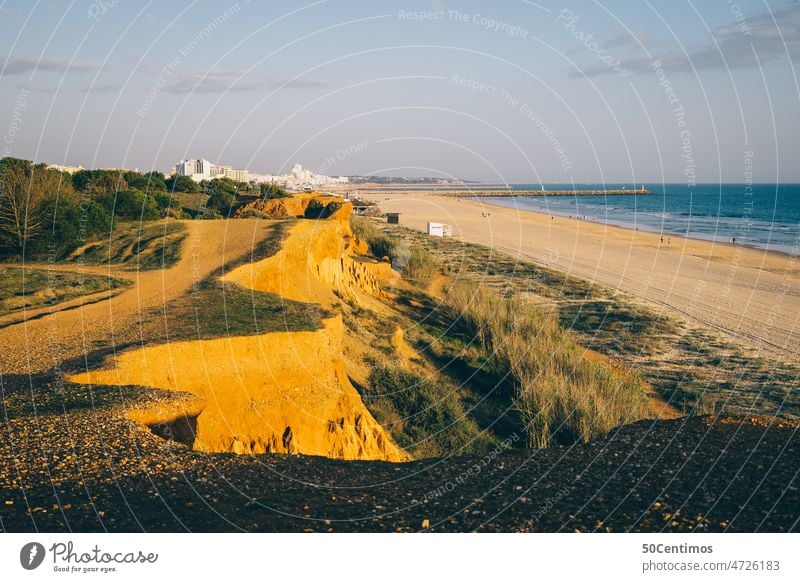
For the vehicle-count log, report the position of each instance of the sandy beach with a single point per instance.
(750, 295)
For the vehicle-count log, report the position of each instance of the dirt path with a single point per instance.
(41, 345)
(21, 316)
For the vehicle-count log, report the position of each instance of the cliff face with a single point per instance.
(284, 392)
(280, 392)
(292, 207)
(314, 265)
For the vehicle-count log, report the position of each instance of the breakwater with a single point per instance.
(513, 193)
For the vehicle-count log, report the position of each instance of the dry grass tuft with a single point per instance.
(560, 395)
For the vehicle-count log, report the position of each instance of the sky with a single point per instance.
(503, 92)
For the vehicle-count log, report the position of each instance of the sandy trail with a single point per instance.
(750, 295)
(42, 344)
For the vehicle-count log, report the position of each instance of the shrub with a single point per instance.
(560, 395)
(270, 191)
(428, 417)
(331, 208)
(149, 182)
(165, 202)
(209, 214)
(221, 201)
(363, 228)
(222, 194)
(318, 210)
(99, 182)
(381, 246)
(421, 265)
(314, 209)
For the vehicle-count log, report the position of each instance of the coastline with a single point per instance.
(611, 223)
(749, 294)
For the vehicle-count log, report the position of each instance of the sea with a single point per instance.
(765, 216)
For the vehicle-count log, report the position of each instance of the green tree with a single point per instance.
(70, 223)
(25, 191)
(182, 184)
(131, 205)
(222, 194)
(98, 183)
(317, 209)
(269, 191)
(149, 182)
(164, 202)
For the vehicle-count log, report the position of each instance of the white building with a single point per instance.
(299, 178)
(68, 169)
(202, 169)
(237, 175)
(197, 170)
(219, 171)
(300, 174)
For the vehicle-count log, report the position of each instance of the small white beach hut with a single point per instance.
(439, 229)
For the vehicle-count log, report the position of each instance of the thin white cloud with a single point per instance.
(627, 40)
(222, 80)
(100, 88)
(25, 64)
(50, 89)
(755, 40)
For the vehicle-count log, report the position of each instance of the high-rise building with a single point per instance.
(197, 170)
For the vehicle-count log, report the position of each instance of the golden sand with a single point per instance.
(750, 295)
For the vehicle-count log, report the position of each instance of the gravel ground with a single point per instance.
(69, 461)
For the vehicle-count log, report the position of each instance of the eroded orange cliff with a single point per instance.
(284, 392)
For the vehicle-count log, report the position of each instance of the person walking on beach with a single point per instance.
(662, 239)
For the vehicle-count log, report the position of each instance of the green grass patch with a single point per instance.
(425, 416)
(33, 288)
(419, 266)
(137, 246)
(215, 308)
(414, 261)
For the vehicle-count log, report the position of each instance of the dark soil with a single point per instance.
(69, 461)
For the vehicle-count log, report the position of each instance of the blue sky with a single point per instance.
(512, 91)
